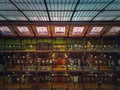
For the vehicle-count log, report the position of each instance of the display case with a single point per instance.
(59, 63)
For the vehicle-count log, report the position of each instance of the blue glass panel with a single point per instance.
(82, 18)
(61, 4)
(117, 19)
(117, 1)
(91, 6)
(16, 18)
(95, 1)
(11, 18)
(21, 18)
(85, 13)
(61, 1)
(33, 18)
(109, 13)
(1, 18)
(7, 6)
(60, 16)
(103, 18)
(37, 15)
(4, 1)
(60, 13)
(11, 13)
(114, 6)
(28, 1)
(30, 4)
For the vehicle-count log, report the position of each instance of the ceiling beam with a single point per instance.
(102, 10)
(74, 10)
(56, 10)
(60, 23)
(33, 31)
(19, 9)
(47, 10)
(4, 17)
(116, 17)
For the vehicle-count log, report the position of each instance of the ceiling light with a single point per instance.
(59, 30)
(95, 30)
(5, 30)
(114, 30)
(78, 30)
(23, 30)
(42, 30)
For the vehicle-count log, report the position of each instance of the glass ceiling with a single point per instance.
(59, 10)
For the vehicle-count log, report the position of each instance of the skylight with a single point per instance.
(5, 30)
(95, 30)
(78, 30)
(42, 30)
(23, 30)
(114, 30)
(59, 30)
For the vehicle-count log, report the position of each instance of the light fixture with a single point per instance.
(42, 30)
(5, 30)
(23, 30)
(77, 30)
(114, 30)
(59, 30)
(65, 55)
(27, 72)
(95, 30)
(31, 46)
(53, 55)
